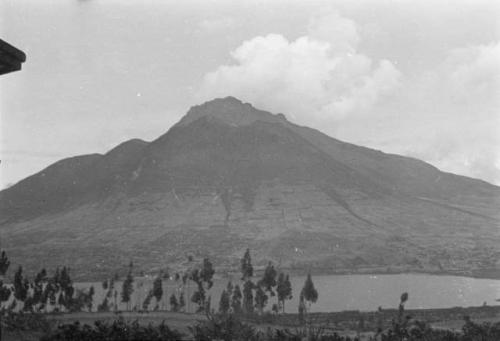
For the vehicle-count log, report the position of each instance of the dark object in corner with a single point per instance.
(10, 58)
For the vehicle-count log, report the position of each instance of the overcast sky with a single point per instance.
(418, 78)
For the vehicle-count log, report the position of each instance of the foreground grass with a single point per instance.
(343, 324)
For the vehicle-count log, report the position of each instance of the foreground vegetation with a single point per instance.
(233, 327)
(241, 314)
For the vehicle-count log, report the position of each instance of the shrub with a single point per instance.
(24, 321)
(223, 327)
(118, 330)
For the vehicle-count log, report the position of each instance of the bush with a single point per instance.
(24, 321)
(118, 330)
(403, 328)
(223, 327)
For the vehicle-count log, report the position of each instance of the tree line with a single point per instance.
(32, 298)
(255, 294)
(56, 292)
(44, 292)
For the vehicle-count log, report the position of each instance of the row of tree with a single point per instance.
(44, 293)
(56, 293)
(110, 300)
(252, 297)
(255, 295)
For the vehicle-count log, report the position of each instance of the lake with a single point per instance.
(349, 292)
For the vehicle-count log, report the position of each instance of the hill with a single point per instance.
(228, 176)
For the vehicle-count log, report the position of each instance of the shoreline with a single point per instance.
(490, 274)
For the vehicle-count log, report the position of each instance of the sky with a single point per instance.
(417, 78)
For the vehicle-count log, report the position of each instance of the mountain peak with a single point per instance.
(231, 111)
(272, 186)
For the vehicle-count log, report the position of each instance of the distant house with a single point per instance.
(11, 58)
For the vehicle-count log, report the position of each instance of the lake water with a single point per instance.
(350, 292)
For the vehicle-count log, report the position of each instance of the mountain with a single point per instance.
(228, 176)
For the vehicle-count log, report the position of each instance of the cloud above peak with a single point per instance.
(318, 76)
(445, 112)
(341, 33)
(463, 101)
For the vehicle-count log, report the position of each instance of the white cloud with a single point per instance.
(341, 33)
(449, 116)
(446, 114)
(313, 78)
(474, 74)
(469, 82)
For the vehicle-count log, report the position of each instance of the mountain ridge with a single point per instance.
(232, 174)
(230, 110)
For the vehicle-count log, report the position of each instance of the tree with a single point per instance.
(207, 273)
(224, 304)
(204, 280)
(174, 305)
(4, 263)
(157, 289)
(302, 308)
(66, 285)
(21, 285)
(309, 294)
(41, 276)
(182, 301)
(399, 327)
(38, 284)
(275, 309)
(111, 286)
(248, 296)
(54, 288)
(260, 299)
(104, 306)
(111, 293)
(56, 278)
(90, 298)
(268, 281)
(64, 279)
(284, 289)
(4, 291)
(49, 293)
(128, 287)
(147, 300)
(308, 291)
(199, 295)
(61, 301)
(236, 300)
(246, 266)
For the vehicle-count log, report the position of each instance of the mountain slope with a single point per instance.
(229, 176)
